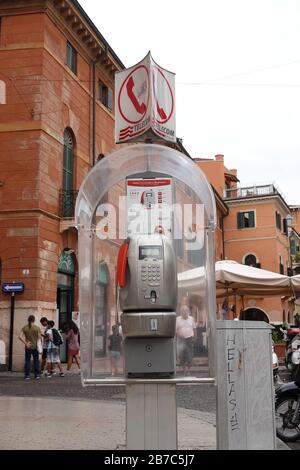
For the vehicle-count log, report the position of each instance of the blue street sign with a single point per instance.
(13, 288)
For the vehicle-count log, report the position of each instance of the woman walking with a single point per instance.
(72, 337)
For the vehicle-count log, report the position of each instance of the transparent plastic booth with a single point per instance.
(146, 219)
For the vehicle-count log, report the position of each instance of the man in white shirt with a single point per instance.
(185, 332)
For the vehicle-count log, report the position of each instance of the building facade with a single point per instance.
(259, 230)
(57, 121)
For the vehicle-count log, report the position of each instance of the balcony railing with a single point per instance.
(67, 201)
(250, 191)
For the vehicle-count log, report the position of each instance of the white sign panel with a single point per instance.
(145, 103)
(149, 206)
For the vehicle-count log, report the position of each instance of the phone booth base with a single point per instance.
(150, 356)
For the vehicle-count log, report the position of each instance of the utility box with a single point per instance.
(245, 389)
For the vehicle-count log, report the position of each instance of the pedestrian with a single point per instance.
(44, 323)
(114, 348)
(29, 336)
(72, 337)
(185, 332)
(53, 357)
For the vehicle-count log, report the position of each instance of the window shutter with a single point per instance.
(278, 220)
(251, 219)
(240, 220)
(69, 55)
(74, 61)
(109, 99)
(71, 58)
(281, 269)
(100, 91)
(285, 227)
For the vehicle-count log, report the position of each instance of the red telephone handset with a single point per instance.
(141, 108)
(160, 110)
(121, 265)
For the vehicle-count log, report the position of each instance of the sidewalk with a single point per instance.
(85, 423)
(66, 424)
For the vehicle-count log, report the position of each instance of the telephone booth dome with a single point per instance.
(106, 214)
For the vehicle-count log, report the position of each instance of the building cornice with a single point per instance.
(74, 19)
(81, 26)
(257, 200)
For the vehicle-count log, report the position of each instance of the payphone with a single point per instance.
(148, 199)
(147, 283)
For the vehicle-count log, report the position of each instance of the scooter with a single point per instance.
(287, 410)
(292, 354)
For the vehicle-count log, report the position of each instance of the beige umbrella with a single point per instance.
(295, 280)
(233, 278)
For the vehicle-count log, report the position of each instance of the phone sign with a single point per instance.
(133, 102)
(145, 103)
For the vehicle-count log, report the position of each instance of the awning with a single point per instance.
(235, 278)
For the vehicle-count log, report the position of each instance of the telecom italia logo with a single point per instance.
(2, 92)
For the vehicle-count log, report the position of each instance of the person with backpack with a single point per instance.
(73, 344)
(54, 341)
(44, 323)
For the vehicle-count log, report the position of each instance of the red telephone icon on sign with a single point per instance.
(160, 110)
(139, 107)
(121, 265)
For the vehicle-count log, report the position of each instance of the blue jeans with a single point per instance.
(36, 363)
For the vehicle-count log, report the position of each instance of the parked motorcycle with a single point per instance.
(287, 410)
(292, 354)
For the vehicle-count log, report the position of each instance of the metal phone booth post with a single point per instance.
(153, 356)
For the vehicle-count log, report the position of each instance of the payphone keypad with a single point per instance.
(151, 274)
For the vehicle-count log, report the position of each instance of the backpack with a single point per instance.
(57, 338)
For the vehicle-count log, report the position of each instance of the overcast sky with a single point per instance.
(237, 65)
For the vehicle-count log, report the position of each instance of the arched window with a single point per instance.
(250, 260)
(68, 175)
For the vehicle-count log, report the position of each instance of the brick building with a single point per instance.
(259, 229)
(58, 119)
